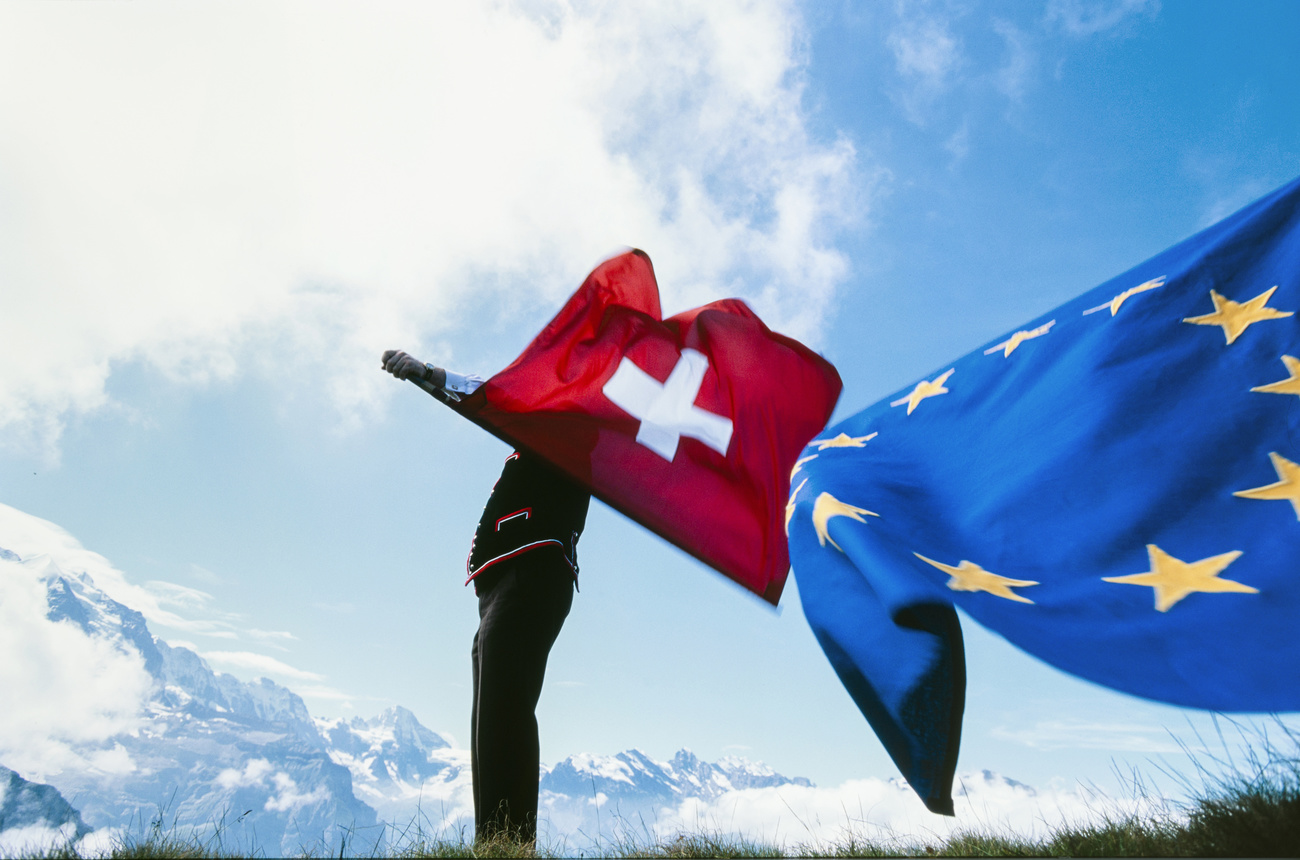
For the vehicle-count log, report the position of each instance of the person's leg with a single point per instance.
(520, 616)
(473, 726)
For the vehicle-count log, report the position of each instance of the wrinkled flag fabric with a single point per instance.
(689, 425)
(1114, 488)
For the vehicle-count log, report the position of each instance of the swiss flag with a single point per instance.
(689, 425)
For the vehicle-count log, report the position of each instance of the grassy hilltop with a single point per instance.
(1250, 809)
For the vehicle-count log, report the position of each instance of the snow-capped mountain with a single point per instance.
(213, 753)
(34, 814)
(184, 681)
(134, 732)
(633, 794)
(408, 773)
(633, 777)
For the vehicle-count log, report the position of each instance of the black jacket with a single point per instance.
(532, 507)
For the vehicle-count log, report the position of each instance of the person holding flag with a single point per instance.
(689, 426)
(523, 562)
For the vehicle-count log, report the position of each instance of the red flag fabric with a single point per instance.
(690, 426)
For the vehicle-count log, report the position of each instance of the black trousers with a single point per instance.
(522, 604)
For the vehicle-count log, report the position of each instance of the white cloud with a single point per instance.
(323, 693)
(285, 797)
(926, 57)
(34, 840)
(254, 772)
(32, 537)
(259, 663)
(202, 574)
(1081, 18)
(274, 638)
(180, 596)
(209, 188)
(289, 798)
(65, 692)
(1014, 76)
(886, 813)
(924, 50)
(113, 761)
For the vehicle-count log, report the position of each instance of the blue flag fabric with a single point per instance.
(1114, 488)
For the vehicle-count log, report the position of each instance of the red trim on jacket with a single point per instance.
(520, 551)
(524, 512)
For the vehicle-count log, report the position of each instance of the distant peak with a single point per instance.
(685, 758)
(397, 714)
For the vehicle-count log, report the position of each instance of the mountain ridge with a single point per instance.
(246, 758)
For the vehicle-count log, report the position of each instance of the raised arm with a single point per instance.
(405, 366)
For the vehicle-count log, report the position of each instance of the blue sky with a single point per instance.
(216, 217)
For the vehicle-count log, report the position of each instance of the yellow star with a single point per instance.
(1114, 303)
(1009, 345)
(1290, 385)
(1287, 488)
(844, 440)
(1173, 579)
(789, 507)
(1234, 317)
(923, 390)
(798, 464)
(828, 506)
(968, 576)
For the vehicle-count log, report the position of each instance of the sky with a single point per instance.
(214, 218)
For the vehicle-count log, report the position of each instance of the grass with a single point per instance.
(1238, 809)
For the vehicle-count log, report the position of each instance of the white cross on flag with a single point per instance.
(667, 410)
(689, 425)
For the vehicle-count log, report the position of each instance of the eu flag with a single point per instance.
(1114, 488)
